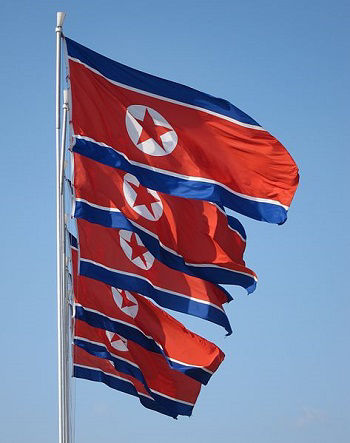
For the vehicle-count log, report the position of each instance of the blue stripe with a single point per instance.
(162, 297)
(236, 225)
(149, 83)
(98, 320)
(169, 184)
(120, 365)
(73, 241)
(118, 220)
(173, 409)
(169, 406)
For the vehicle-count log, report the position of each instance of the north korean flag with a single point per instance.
(162, 382)
(119, 258)
(137, 319)
(191, 236)
(173, 397)
(176, 139)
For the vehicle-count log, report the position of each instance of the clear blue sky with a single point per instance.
(286, 373)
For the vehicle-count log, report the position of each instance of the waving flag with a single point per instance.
(171, 397)
(162, 382)
(136, 318)
(113, 347)
(188, 235)
(176, 139)
(120, 259)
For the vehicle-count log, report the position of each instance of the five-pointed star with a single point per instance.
(151, 130)
(125, 301)
(136, 249)
(144, 197)
(116, 337)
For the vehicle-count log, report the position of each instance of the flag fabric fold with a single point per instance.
(119, 258)
(137, 319)
(188, 235)
(150, 368)
(155, 164)
(177, 140)
(175, 398)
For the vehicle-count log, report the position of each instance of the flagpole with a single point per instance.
(65, 298)
(63, 374)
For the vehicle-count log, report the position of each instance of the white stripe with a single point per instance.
(118, 321)
(112, 375)
(238, 233)
(132, 363)
(191, 365)
(97, 206)
(145, 335)
(154, 286)
(166, 99)
(94, 205)
(177, 400)
(230, 227)
(152, 234)
(200, 265)
(128, 381)
(184, 177)
(206, 265)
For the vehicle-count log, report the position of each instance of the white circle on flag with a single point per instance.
(135, 250)
(149, 131)
(125, 301)
(146, 202)
(117, 342)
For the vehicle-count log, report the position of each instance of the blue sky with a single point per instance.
(285, 376)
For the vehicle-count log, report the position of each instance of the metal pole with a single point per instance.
(64, 301)
(59, 252)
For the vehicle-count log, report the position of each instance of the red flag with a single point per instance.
(176, 139)
(171, 397)
(196, 230)
(136, 318)
(129, 357)
(120, 259)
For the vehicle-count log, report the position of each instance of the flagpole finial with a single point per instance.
(60, 19)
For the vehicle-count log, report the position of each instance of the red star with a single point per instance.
(136, 249)
(151, 130)
(125, 301)
(114, 337)
(143, 197)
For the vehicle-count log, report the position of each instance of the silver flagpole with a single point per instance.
(59, 240)
(65, 298)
